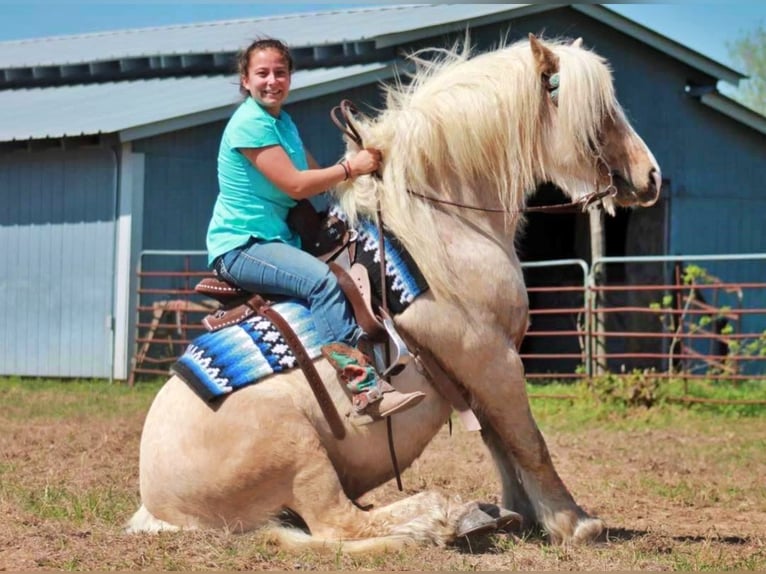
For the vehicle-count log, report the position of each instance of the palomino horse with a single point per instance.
(464, 144)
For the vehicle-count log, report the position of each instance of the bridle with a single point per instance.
(345, 124)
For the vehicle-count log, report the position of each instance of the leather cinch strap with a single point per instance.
(312, 376)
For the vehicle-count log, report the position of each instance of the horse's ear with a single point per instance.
(577, 43)
(547, 62)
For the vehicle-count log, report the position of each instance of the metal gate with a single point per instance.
(692, 316)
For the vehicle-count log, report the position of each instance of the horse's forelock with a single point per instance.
(586, 96)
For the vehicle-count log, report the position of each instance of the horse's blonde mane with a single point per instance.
(473, 129)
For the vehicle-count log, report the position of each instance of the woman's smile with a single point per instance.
(268, 79)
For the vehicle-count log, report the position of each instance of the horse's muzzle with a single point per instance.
(652, 194)
(628, 194)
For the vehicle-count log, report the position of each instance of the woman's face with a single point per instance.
(267, 79)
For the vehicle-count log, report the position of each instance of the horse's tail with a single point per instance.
(145, 521)
(296, 540)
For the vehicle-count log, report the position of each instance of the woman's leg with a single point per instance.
(280, 269)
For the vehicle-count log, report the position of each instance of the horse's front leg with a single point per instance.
(483, 358)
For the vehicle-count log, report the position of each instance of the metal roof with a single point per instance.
(346, 31)
(297, 30)
(143, 108)
(343, 48)
(734, 110)
(660, 42)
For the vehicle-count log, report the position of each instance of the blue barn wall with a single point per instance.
(180, 186)
(57, 233)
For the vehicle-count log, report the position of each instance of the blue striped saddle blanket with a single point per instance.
(215, 364)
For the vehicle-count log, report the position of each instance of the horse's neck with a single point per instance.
(481, 253)
(470, 227)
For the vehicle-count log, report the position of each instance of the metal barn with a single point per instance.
(108, 144)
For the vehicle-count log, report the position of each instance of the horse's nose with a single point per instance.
(653, 191)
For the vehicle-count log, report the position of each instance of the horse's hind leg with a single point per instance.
(319, 499)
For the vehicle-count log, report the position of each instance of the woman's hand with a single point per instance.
(366, 161)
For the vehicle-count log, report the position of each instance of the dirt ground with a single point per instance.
(675, 497)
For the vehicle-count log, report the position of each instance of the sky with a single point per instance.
(704, 27)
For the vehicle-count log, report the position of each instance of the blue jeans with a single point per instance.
(279, 269)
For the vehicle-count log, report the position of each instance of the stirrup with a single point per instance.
(400, 354)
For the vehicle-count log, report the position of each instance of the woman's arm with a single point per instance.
(274, 163)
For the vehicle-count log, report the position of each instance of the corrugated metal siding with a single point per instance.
(56, 264)
(180, 188)
(702, 226)
(306, 29)
(111, 107)
(719, 225)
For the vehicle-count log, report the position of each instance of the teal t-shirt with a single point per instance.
(248, 204)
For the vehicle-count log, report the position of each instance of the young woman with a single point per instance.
(263, 169)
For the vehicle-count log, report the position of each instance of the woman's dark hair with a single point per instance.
(243, 60)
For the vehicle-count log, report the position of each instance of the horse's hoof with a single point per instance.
(475, 521)
(502, 516)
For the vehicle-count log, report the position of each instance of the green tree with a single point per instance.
(749, 52)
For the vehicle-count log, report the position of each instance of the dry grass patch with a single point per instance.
(679, 490)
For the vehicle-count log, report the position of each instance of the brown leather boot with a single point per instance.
(371, 395)
(379, 400)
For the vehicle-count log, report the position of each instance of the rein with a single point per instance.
(346, 125)
(580, 205)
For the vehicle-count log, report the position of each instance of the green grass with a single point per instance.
(57, 502)
(605, 401)
(633, 401)
(25, 399)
